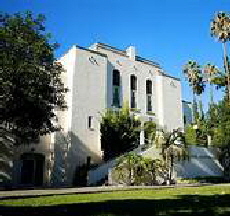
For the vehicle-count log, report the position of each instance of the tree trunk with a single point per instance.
(211, 95)
(227, 69)
(194, 106)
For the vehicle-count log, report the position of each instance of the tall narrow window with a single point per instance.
(133, 87)
(116, 88)
(90, 122)
(148, 95)
(146, 133)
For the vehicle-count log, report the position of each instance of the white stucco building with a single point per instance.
(101, 77)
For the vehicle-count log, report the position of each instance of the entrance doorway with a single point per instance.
(32, 169)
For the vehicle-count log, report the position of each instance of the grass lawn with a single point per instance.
(206, 200)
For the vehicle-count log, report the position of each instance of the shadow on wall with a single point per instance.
(6, 161)
(5, 172)
(70, 154)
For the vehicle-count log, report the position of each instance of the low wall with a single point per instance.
(202, 162)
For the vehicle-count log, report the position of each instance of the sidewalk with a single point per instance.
(61, 191)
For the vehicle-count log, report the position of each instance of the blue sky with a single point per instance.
(168, 31)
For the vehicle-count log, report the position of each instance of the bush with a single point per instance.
(120, 132)
(133, 169)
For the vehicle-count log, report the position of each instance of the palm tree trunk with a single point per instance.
(194, 106)
(227, 69)
(211, 95)
(201, 111)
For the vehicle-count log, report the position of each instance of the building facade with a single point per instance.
(98, 77)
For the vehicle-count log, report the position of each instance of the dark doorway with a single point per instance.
(32, 169)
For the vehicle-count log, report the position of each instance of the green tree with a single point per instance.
(190, 135)
(133, 169)
(150, 132)
(120, 131)
(220, 124)
(128, 166)
(172, 155)
(192, 70)
(211, 71)
(220, 29)
(30, 78)
(174, 151)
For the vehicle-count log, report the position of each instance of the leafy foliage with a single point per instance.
(193, 72)
(30, 77)
(150, 131)
(210, 71)
(220, 29)
(221, 79)
(133, 169)
(120, 132)
(220, 123)
(190, 135)
(220, 26)
(175, 146)
(216, 123)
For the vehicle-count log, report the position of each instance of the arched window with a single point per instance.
(116, 88)
(148, 95)
(133, 88)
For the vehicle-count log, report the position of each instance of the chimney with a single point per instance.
(131, 52)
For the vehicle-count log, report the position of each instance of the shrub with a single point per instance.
(133, 169)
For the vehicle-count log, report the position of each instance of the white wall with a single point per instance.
(166, 97)
(172, 105)
(89, 79)
(127, 66)
(86, 78)
(202, 162)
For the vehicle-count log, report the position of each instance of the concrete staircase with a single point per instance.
(99, 175)
(202, 162)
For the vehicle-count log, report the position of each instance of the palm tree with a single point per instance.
(193, 72)
(126, 168)
(220, 28)
(211, 71)
(172, 155)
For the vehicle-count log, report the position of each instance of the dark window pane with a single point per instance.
(133, 99)
(146, 134)
(116, 78)
(133, 81)
(116, 96)
(90, 119)
(148, 87)
(149, 103)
